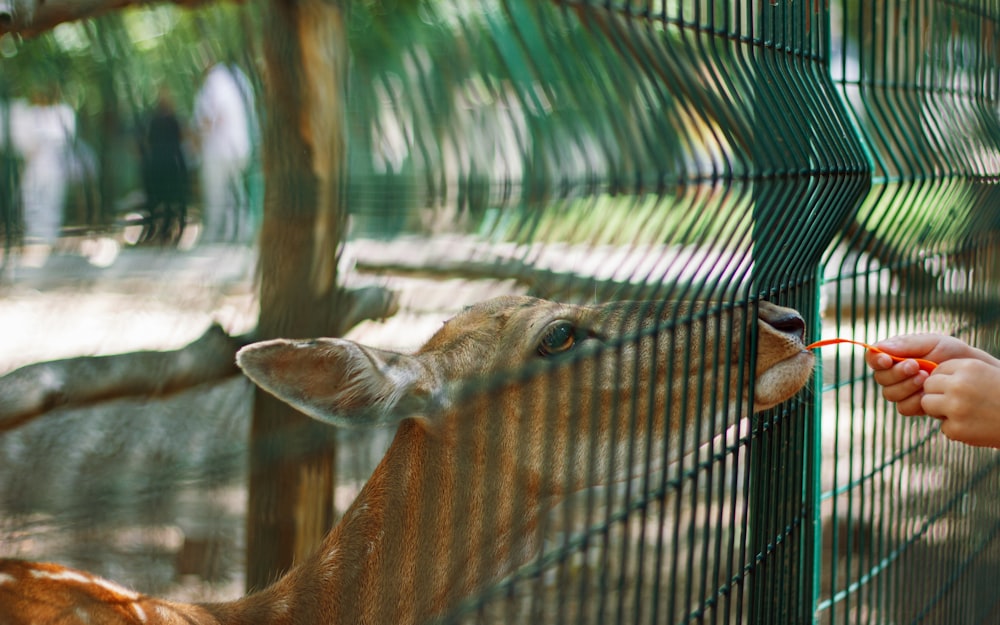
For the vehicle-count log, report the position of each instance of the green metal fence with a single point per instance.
(840, 157)
(908, 519)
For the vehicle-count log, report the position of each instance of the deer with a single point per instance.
(512, 405)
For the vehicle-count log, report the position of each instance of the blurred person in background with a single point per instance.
(223, 118)
(165, 172)
(42, 133)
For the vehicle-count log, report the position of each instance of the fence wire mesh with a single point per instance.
(908, 519)
(839, 158)
(694, 151)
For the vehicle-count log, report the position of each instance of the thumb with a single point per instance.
(910, 345)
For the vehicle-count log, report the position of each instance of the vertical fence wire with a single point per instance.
(704, 156)
(908, 518)
(715, 125)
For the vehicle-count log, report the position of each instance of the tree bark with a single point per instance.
(292, 457)
(35, 389)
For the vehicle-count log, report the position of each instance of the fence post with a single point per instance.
(775, 452)
(799, 128)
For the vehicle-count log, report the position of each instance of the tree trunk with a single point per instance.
(291, 456)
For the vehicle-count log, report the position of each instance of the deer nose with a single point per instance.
(784, 320)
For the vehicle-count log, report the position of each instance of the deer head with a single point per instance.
(564, 390)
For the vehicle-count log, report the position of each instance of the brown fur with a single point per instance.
(490, 435)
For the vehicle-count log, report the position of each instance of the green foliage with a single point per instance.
(138, 50)
(513, 106)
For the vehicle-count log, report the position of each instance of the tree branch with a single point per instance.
(557, 274)
(32, 17)
(35, 389)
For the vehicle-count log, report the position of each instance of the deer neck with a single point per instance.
(425, 531)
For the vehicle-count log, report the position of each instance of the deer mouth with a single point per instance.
(783, 380)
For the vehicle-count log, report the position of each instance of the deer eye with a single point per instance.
(558, 338)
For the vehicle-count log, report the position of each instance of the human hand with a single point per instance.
(965, 394)
(959, 389)
(902, 382)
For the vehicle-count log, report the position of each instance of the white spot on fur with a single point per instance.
(7, 578)
(164, 613)
(328, 568)
(125, 593)
(82, 615)
(66, 575)
(62, 576)
(359, 511)
(330, 557)
(139, 612)
(280, 609)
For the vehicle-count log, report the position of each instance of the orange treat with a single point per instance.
(926, 365)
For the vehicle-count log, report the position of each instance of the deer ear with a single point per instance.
(341, 382)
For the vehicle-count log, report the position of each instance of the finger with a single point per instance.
(957, 431)
(908, 370)
(949, 430)
(900, 392)
(934, 405)
(910, 345)
(946, 378)
(938, 385)
(905, 393)
(911, 406)
(967, 432)
(949, 367)
(878, 360)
